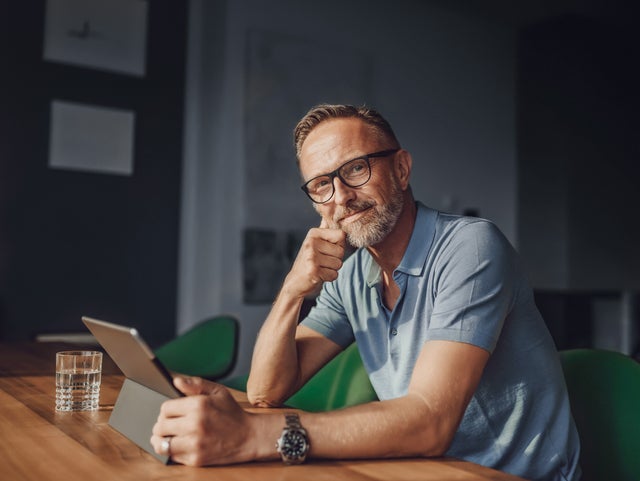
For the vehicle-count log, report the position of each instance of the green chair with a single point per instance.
(239, 383)
(604, 391)
(207, 350)
(342, 382)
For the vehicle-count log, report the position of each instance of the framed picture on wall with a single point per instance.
(267, 257)
(105, 35)
(91, 138)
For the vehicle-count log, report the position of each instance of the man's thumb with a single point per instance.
(192, 385)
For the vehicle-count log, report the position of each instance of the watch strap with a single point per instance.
(292, 420)
(292, 428)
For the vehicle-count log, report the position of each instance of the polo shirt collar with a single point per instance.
(415, 257)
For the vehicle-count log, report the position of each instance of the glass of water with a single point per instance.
(78, 375)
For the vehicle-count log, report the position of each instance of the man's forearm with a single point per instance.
(274, 367)
(401, 427)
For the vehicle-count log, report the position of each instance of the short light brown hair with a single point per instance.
(322, 112)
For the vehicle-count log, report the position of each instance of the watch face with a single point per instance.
(294, 445)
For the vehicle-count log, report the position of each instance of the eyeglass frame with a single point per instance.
(336, 173)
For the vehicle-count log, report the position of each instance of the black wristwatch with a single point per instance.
(293, 444)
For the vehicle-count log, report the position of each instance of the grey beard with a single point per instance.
(373, 228)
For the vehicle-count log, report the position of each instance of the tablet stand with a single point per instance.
(135, 413)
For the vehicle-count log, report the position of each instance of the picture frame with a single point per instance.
(109, 36)
(91, 138)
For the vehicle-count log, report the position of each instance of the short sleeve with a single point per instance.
(328, 317)
(474, 285)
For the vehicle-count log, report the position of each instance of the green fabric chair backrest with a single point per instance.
(604, 391)
(342, 382)
(207, 350)
(239, 383)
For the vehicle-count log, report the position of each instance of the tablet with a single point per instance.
(133, 356)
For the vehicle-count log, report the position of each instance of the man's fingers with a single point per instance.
(331, 233)
(328, 274)
(177, 407)
(193, 385)
(181, 447)
(321, 253)
(195, 388)
(335, 236)
(329, 249)
(330, 261)
(168, 426)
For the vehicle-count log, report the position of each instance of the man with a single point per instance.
(438, 305)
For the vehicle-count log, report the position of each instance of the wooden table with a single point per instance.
(39, 444)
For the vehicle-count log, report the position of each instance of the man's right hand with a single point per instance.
(319, 260)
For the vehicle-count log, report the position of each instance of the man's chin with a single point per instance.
(356, 237)
(358, 242)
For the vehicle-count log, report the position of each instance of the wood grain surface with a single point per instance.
(39, 444)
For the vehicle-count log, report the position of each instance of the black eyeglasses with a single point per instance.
(353, 173)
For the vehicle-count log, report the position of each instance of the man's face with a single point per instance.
(367, 213)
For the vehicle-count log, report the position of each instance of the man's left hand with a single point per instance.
(206, 427)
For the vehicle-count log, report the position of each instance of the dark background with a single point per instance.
(74, 243)
(579, 168)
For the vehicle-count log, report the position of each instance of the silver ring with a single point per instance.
(165, 446)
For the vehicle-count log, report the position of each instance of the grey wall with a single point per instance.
(444, 79)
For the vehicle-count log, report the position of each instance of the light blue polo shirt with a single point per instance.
(460, 280)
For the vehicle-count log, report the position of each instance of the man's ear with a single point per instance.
(402, 167)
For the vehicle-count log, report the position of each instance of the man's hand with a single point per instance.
(318, 261)
(206, 427)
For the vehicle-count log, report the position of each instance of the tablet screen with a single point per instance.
(132, 355)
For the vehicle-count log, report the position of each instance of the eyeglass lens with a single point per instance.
(353, 174)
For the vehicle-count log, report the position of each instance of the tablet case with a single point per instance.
(135, 413)
(146, 386)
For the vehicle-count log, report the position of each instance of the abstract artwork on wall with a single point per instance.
(103, 35)
(267, 257)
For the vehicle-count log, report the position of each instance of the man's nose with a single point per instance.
(342, 193)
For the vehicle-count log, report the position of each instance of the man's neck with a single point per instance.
(390, 251)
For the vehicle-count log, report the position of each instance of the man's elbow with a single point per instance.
(273, 393)
(434, 426)
(263, 397)
(437, 441)
(433, 434)
(259, 400)
(434, 449)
